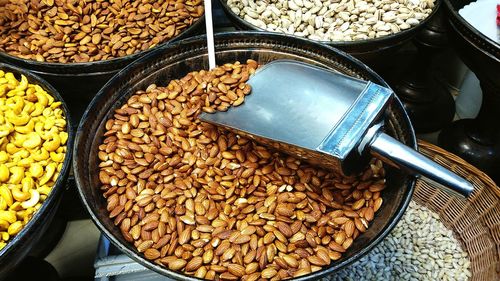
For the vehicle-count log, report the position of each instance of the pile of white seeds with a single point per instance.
(333, 20)
(419, 248)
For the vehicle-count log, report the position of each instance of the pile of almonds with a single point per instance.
(212, 204)
(90, 30)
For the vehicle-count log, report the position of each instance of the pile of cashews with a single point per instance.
(32, 150)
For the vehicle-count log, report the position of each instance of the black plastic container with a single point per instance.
(20, 245)
(175, 61)
(374, 52)
(79, 82)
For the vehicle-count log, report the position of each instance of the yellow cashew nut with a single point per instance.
(11, 148)
(44, 189)
(53, 144)
(6, 129)
(55, 106)
(17, 174)
(16, 104)
(57, 157)
(28, 184)
(15, 228)
(33, 140)
(38, 110)
(3, 144)
(64, 137)
(28, 107)
(4, 173)
(21, 153)
(61, 123)
(26, 214)
(18, 139)
(15, 207)
(42, 99)
(47, 112)
(8, 216)
(27, 128)
(19, 195)
(41, 155)
(3, 157)
(4, 225)
(25, 163)
(34, 199)
(10, 79)
(49, 123)
(5, 236)
(23, 84)
(3, 89)
(49, 172)
(36, 170)
(3, 204)
(17, 119)
(6, 195)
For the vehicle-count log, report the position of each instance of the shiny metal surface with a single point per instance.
(305, 100)
(388, 148)
(308, 111)
(325, 118)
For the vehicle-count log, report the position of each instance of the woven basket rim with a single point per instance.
(473, 171)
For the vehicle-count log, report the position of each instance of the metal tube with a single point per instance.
(393, 152)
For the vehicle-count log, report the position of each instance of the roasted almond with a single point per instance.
(236, 270)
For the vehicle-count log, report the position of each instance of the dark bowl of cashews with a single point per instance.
(191, 201)
(36, 141)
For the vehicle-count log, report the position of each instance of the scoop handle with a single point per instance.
(392, 151)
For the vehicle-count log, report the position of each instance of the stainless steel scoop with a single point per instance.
(326, 118)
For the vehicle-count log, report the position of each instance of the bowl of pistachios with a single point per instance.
(36, 140)
(365, 29)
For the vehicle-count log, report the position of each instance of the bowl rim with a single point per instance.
(454, 15)
(100, 65)
(338, 44)
(60, 183)
(133, 254)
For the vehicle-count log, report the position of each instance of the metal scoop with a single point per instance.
(326, 118)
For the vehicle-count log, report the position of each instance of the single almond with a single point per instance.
(236, 269)
(268, 273)
(194, 264)
(177, 264)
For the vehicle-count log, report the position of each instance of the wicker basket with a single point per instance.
(475, 221)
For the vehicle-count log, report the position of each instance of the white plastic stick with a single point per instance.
(210, 33)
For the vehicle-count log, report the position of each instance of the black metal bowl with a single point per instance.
(21, 244)
(371, 51)
(177, 60)
(79, 82)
